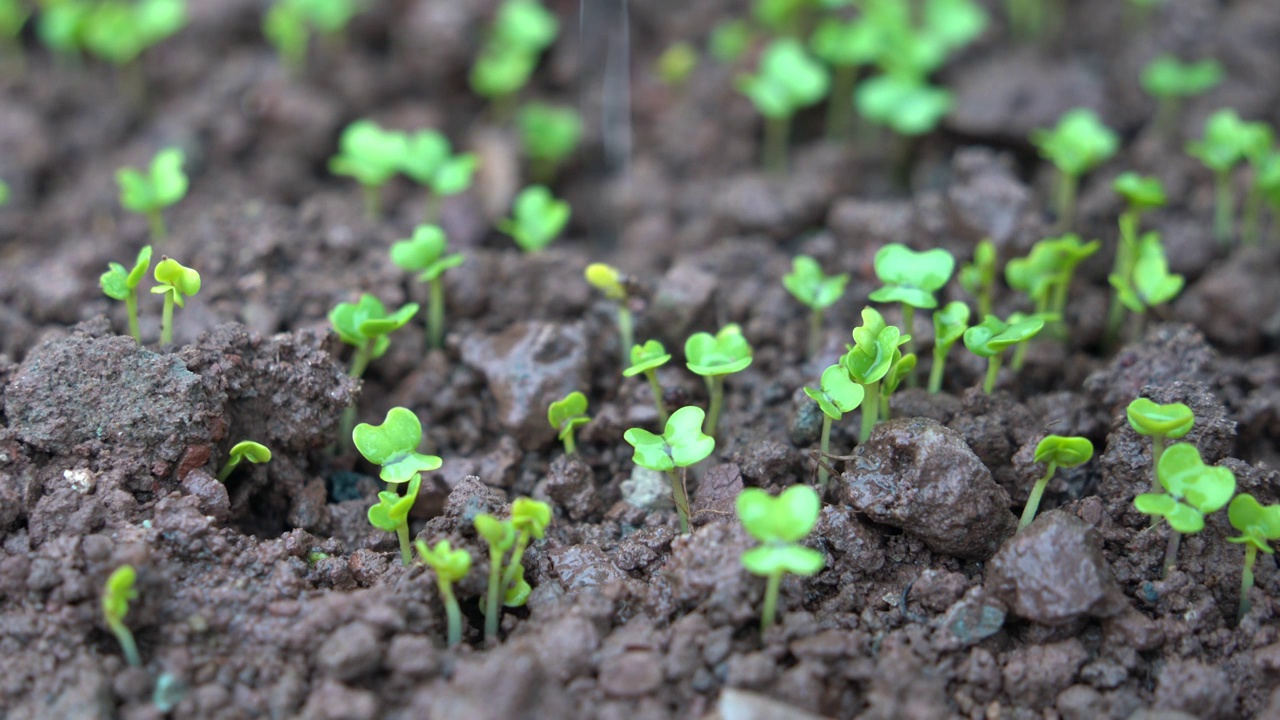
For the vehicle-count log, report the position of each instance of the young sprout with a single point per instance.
(676, 64)
(978, 278)
(371, 156)
(906, 104)
(13, 15)
(903, 366)
(566, 415)
(608, 280)
(729, 40)
(1259, 140)
(530, 519)
(1170, 81)
(836, 395)
(366, 325)
(788, 80)
(647, 359)
(869, 360)
(845, 46)
(393, 446)
(425, 253)
(1266, 180)
(392, 514)
(119, 31)
(255, 453)
(177, 283)
(120, 284)
(911, 278)
(993, 336)
(1150, 283)
(1160, 423)
(779, 524)
(1045, 275)
(949, 325)
(429, 161)
(1078, 144)
(1055, 451)
(500, 535)
(163, 184)
(521, 31)
(538, 218)
(817, 290)
(549, 134)
(1193, 491)
(4, 193)
(289, 23)
(451, 566)
(1141, 194)
(1257, 526)
(681, 444)
(713, 357)
(116, 594)
(1225, 142)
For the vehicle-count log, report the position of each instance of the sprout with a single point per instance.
(529, 520)
(393, 446)
(1194, 490)
(521, 30)
(779, 524)
(255, 453)
(1141, 194)
(429, 161)
(993, 336)
(713, 357)
(869, 360)
(1170, 81)
(911, 278)
(729, 40)
(177, 283)
(1225, 142)
(566, 415)
(13, 15)
(289, 23)
(647, 359)
(949, 325)
(119, 284)
(978, 278)
(837, 395)
(1258, 153)
(1078, 144)
(1046, 274)
(549, 135)
(392, 514)
(1150, 283)
(788, 80)
(1160, 423)
(608, 280)
(371, 156)
(907, 105)
(500, 536)
(366, 325)
(845, 46)
(681, 445)
(451, 566)
(1266, 180)
(539, 217)
(1056, 451)
(424, 253)
(149, 194)
(903, 366)
(817, 290)
(676, 63)
(116, 594)
(1257, 525)
(120, 31)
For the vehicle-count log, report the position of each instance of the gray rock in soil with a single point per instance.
(1012, 94)
(994, 427)
(919, 476)
(986, 199)
(1054, 572)
(571, 485)
(717, 494)
(351, 651)
(1198, 689)
(737, 704)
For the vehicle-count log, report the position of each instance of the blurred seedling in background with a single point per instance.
(836, 395)
(1171, 81)
(978, 278)
(779, 523)
(13, 16)
(1267, 180)
(289, 24)
(1161, 423)
(120, 284)
(1192, 490)
(5, 194)
(429, 161)
(393, 446)
(521, 31)
(255, 453)
(118, 31)
(365, 325)
(713, 357)
(729, 40)
(537, 219)
(1224, 144)
(451, 566)
(1150, 283)
(177, 283)
(392, 514)
(903, 366)
(681, 444)
(1141, 194)
(869, 360)
(1055, 451)
(549, 134)
(1045, 276)
(647, 359)
(910, 279)
(149, 193)
(426, 253)
(565, 416)
(1257, 525)
(949, 325)
(1259, 153)
(371, 156)
(1079, 143)
(676, 64)
(990, 338)
(816, 290)
(787, 81)
(845, 46)
(907, 105)
(610, 281)
(116, 594)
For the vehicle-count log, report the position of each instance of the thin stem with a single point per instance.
(825, 446)
(155, 219)
(451, 611)
(1066, 201)
(770, 611)
(1033, 501)
(131, 308)
(1246, 578)
(776, 131)
(402, 533)
(1020, 354)
(1122, 268)
(815, 332)
(127, 643)
(656, 388)
(358, 364)
(1171, 551)
(360, 360)
(1157, 449)
(870, 406)
(570, 446)
(625, 331)
(517, 557)
(435, 313)
(715, 384)
(166, 320)
(1223, 207)
(993, 371)
(226, 470)
(908, 320)
(840, 101)
(1249, 229)
(681, 497)
(939, 366)
(491, 599)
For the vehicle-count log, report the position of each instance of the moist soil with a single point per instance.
(272, 596)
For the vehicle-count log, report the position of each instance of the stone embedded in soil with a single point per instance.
(994, 427)
(986, 198)
(1011, 94)
(570, 484)
(735, 704)
(332, 700)
(1200, 689)
(1054, 572)
(919, 476)
(1035, 674)
(1237, 302)
(647, 489)
(584, 566)
(767, 462)
(210, 494)
(351, 651)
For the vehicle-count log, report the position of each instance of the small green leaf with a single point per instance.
(369, 154)
(115, 282)
(569, 413)
(906, 104)
(1142, 193)
(949, 323)
(911, 277)
(874, 350)
(650, 356)
(789, 517)
(538, 218)
(768, 560)
(418, 253)
(549, 133)
(117, 592)
(1166, 76)
(1257, 524)
(1185, 476)
(357, 323)
(682, 443)
(499, 534)
(425, 151)
(788, 80)
(175, 279)
(808, 284)
(1078, 144)
(531, 516)
(725, 353)
(1064, 451)
(451, 565)
(607, 279)
(394, 446)
(838, 394)
(1225, 142)
(993, 336)
(455, 174)
(1173, 420)
(249, 450)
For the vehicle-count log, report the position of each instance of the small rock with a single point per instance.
(570, 485)
(414, 656)
(1199, 689)
(737, 704)
(351, 651)
(986, 198)
(972, 620)
(211, 495)
(683, 295)
(647, 489)
(335, 701)
(1236, 301)
(80, 479)
(1033, 675)
(766, 461)
(583, 566)
(1012, 94)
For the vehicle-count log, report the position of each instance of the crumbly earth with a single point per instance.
(271, 595)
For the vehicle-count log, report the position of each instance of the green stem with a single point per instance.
(870, 405)
(840, 101)
(1246, 578)
(451, 611)
(435, 314)
(1171, 551)
(908, 320)
(402, 533)
(226, 470)
(939, 366)
(1020, 354)
(372, 202)
(517, 557)
(570, 447)
(656, 388)
(1066, 201)
(131, 308)
(1157, 449)
(360, 360)
(1033, 501)
(993, 371)
(1126, 246)
(1223, 207)
(884, 403)
(625, 331)
(681, 497)
(815, 333)
(715, 385)
(166, 320)
(155, 219)
(127, 643)
(825, 446)
(358, 364)
(770, 612)
(776, 131)
(491, 599)
(1249, 229)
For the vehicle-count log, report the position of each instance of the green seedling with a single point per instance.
(429, 161)
(530, 519)
(500, 535)
(681, 444)
(779, 524)
(713, 357)
(1055, 451)
(1257, 525)
(393, 446)
(371, 156)
(120, 284)
(255, 453)
(1028, 19)
(1266, 179)
(522, 29)
(60, 26)
(949, 325)
(869, 360)
(426, 253)
(903, 366)
(845, 46)
(1258, 151)
(1141, 194)
(978, 278)
(13, 15)
(366, 325)
(163, 184)
(1225, 143)
(993, 336)
(549, 134)
(787, 81)
(817, 290)
(729, 40)
(1170, 81)
(676, 64)
(1078, 144)
(289, 24)
(1161, 423)
(116, 594)
(392, 514)
(647, 359)
(566, 416)
(451, 566)
(1150, 283)
(538, 218)
(1045, 276)
(907, 105)
(836, 395)
(118, 31)
(5, 194)
(910, 279)
(610, 281)
(177, 283)
(1192, 490)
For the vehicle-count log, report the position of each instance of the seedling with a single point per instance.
(451, 566)
(787, 81)
(530, 519)
(425, 253)
(681, 444)
(713, 357)
(1055, 451)
(779, 524)
(869, 360)
(1225, 142)
(647, 359)
(608, 280)
(567, 415)
(906, 104)
(521, 31)
(1267, 180)
(1258, 152)
(429, 161)
(5, 194)
(538, 218)
(1141, 194)
(993, 336)
(949, 325)
(163, 184)
(371, 156)
(288, 26)
(676, 64)
(817, 290)
(13, 15)
(978, 278)
(116, 594)
(119, 31)
(1193, 491)
(1170, 81)
(120, 284)
(836, 395)
(366, 325)
(549, 135)
(1150, 284)
(177, 283)
(1257, 526)
(1078, 144)
(845, 46)
(1160, 423)
(393, 446)
(500, 536)
(392, 514)
(729, 40)
(60, 26)
(249, 450)
(903, 366)
(1045, 275)
(911, 278)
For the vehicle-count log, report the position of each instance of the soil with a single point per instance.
(272, 596)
